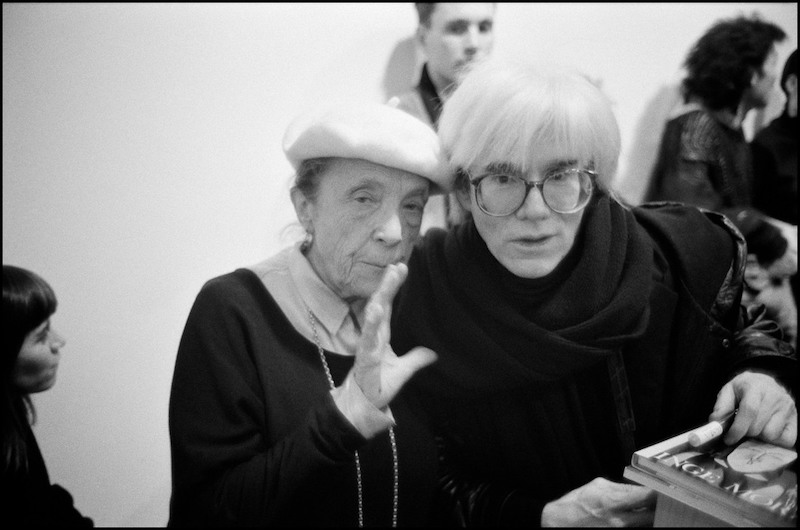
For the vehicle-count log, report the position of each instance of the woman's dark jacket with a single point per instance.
(256, 438)
(542, 385)
(29, 499)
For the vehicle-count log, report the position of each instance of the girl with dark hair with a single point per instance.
(30, 360)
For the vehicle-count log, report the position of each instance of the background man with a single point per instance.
(453, 36)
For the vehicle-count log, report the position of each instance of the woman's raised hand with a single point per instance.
(378, 371)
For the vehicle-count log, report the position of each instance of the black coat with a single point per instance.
(256, 437)
(516, 434)
(29, 499)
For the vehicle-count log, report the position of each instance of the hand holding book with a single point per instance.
(752, 483)
(766, 410)
(602, 502)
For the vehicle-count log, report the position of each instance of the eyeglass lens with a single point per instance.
(563, 192)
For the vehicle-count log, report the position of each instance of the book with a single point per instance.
(751, 483)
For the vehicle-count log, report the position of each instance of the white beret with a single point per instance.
(373, 132)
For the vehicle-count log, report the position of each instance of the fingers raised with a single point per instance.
(417, 359)
(371, 339)
(392, 279)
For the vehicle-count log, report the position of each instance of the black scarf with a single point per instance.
(502, 330)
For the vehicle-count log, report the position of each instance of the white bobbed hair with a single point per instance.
(506, 113)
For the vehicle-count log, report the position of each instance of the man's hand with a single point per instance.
(766, 409)
(602, 503)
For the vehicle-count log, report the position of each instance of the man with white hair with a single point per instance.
(570, 329)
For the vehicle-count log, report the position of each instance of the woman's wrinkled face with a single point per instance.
(37, 363)
(532, 241)
(365, 216)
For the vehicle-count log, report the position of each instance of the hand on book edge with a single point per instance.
(766, 410)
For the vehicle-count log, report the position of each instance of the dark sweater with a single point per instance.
(31, 500)
(530, 405)
(256, 437)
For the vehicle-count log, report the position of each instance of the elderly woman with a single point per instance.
(570, 329)
(279, 413)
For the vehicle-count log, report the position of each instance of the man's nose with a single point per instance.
(534, 204)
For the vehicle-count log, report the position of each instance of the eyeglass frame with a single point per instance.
(528, 186)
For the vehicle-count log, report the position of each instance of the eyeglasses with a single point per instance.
(566, 191)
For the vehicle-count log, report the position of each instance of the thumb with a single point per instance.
(410, 363)
(403, 369)
(417, 359)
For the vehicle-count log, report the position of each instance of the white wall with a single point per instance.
(141, 157)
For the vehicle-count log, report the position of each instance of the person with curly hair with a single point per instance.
(704, 157)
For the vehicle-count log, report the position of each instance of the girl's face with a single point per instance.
(37, 363)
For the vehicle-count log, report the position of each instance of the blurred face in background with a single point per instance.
(763, 83)
(37, 363)
(458, 35)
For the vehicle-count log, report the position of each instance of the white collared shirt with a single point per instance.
(296, 287)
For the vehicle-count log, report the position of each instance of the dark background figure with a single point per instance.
(31, 353)
(775, 155)
(704, 158)
(775, 162)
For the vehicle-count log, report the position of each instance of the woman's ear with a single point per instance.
(304, 209)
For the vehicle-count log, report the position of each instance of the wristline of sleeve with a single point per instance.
(759, 352)
(521, 508)
(473, 502)
(334, 435)
(359, 411)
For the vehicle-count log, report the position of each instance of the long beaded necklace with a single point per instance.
(312, 319)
